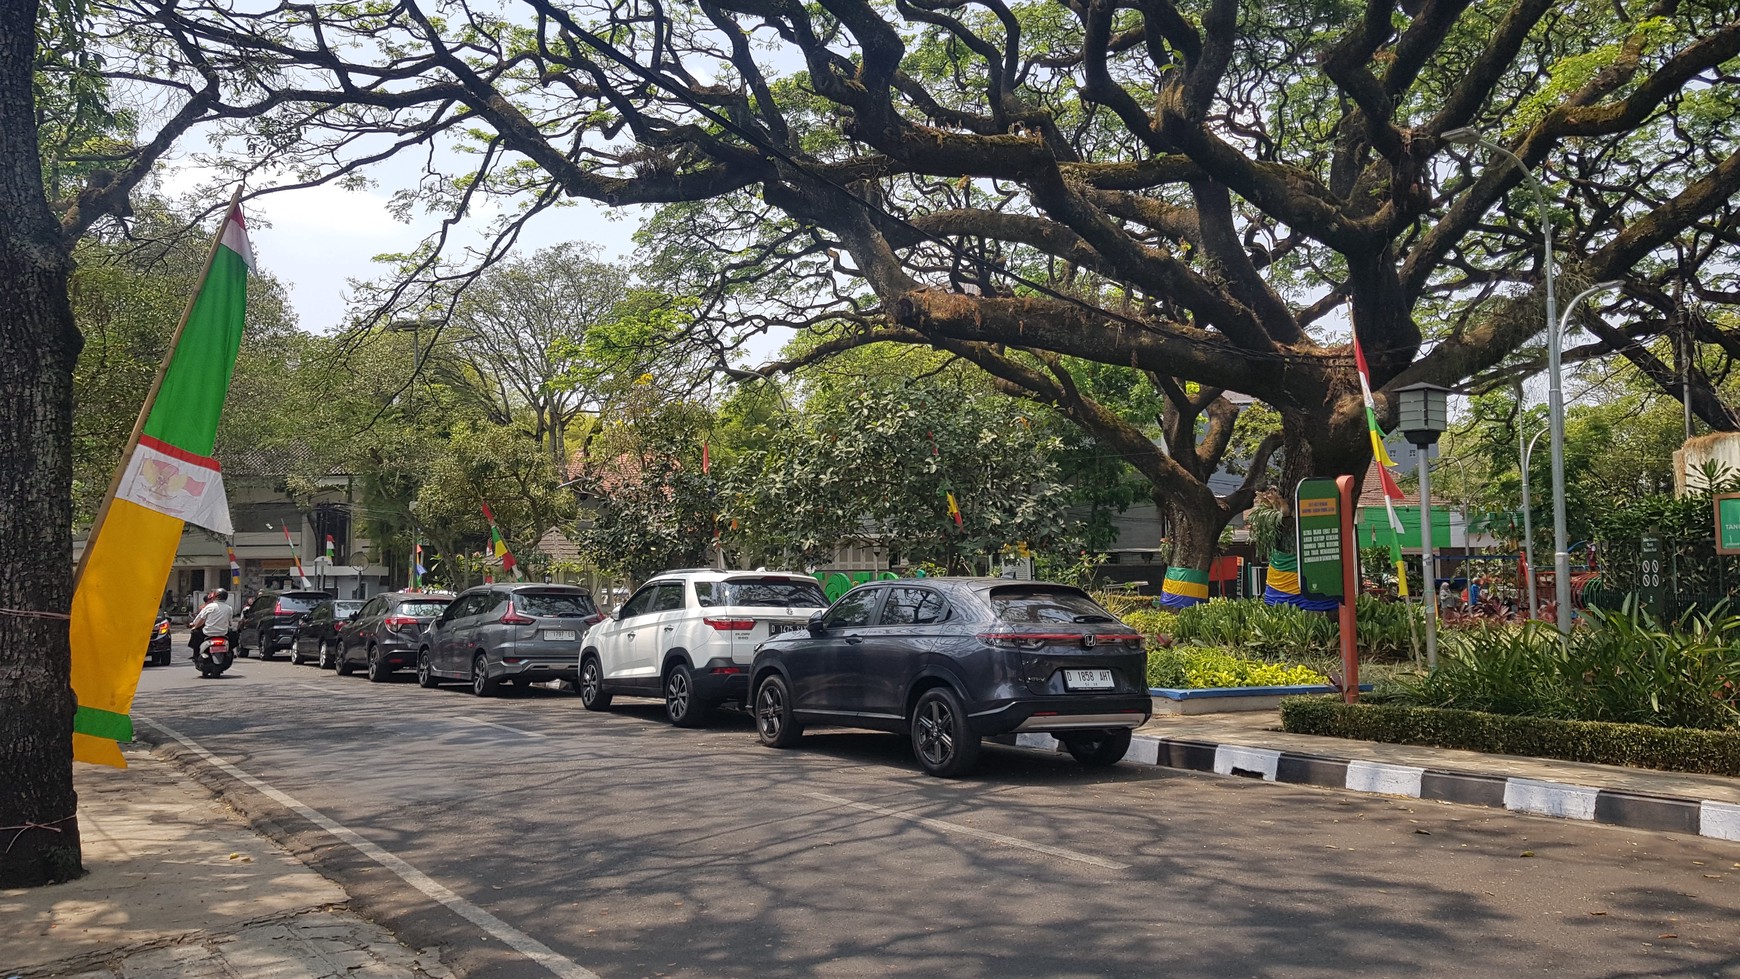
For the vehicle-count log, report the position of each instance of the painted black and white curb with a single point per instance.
(1673, 814)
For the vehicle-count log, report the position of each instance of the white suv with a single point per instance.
(688, 636)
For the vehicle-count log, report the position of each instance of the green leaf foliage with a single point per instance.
(1594, 742)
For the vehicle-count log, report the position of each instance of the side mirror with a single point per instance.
(816, 627)
(352, 616)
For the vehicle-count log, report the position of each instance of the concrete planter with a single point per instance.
(1220, 700)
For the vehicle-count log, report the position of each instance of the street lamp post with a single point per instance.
(1555, 379)
(1556, 425)
(1424, 415)
(1528, 521)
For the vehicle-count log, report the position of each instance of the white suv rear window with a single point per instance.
(769, 592)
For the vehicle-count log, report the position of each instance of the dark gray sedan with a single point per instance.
(948, 661)
(519, 633)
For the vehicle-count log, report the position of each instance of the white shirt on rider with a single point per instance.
(217, 618)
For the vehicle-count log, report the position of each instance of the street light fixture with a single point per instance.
(1555, 389)
(1424, 412)
(1556, 425)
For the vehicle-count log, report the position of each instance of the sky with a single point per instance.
(316, 239)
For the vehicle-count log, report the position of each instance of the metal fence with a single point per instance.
(1668, 577)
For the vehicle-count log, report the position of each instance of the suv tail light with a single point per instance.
(513, 617)
(398, 621)
(1024, 640)
(1038, 640)
(731, 625)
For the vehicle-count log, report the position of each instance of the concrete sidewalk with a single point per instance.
(1252, 744)
(178, 887)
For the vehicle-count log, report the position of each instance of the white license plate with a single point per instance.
(775, 628)
(1087, 679)
(559, 635)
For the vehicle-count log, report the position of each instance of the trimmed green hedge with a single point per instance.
(1673, 749)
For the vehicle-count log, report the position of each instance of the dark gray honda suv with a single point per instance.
(948, 661)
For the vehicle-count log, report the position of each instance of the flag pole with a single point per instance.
(156, 385)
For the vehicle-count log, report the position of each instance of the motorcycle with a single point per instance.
(213, 656)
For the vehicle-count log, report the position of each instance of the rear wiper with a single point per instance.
(1083, 619)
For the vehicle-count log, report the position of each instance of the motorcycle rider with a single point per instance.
(217, 618)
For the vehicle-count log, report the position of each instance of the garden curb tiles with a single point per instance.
(1672, 814)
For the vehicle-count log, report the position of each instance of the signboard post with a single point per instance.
(1329, 560)
(1649, 575)
(1728, 523)
(1317, 507)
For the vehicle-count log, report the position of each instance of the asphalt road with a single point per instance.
(528, 837)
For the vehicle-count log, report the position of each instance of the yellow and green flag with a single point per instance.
(168, 478)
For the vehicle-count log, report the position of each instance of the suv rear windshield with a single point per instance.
(556, 604)
(1029, 604)
(422, 607)
(761, 593)
(299, 603)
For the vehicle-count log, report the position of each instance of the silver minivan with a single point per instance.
(498, 633)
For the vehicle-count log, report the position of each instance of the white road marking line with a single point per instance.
(478, 720)
(949, 827)
(507, 934)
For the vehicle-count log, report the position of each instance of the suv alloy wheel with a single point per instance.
(378, 671)
(773, 718)
(682, 706)
(481, 684)
(426, 677)
(592, 695)
(945, 746)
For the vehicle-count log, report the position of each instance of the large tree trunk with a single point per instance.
(1194, 529)
(38, 347)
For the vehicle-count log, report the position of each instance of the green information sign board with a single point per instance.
(1317, 507)
(1728, 523)
(1649, 574)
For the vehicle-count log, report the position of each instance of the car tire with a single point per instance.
(1097, 749)
(426, 677)
(328, 657)
(682, 707)
(343, 667)
(591, 685)
(945, 746)
(774, 723)
(481, 683)
(377, 671)
(295, 653)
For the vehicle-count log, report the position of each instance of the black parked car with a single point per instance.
(158, 651)
(317, 634)
(270, 620)
(949, 661)
(385, 632)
